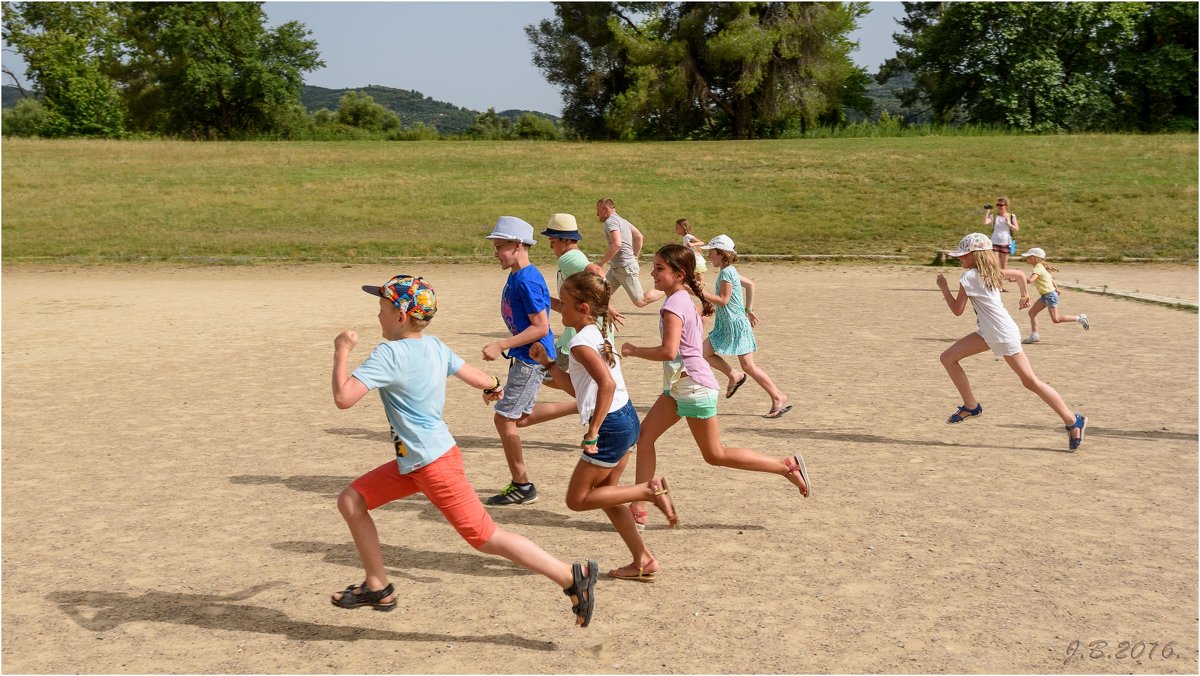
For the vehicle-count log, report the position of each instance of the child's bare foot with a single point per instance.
(778, 407)
(797, 473)
(638, 571)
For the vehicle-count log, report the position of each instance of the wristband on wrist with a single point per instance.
(749, 309)
(591, 442)
(493, 388)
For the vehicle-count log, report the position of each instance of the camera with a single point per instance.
(988, 207)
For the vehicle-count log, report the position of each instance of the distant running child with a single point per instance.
(691, 241)
(594, 378)
(689, 387)
(410, 372)
(733, 331)
(525, 308)
(1043, 282)
(981, 284)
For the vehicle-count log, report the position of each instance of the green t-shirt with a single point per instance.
(570, 263)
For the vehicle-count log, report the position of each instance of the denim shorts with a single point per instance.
(524, 381)
(618, 434)
(693, 400)
(1050, 299)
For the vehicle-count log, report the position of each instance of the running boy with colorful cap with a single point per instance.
(410, 372)
(525, 308)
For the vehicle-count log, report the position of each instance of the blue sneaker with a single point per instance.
(1080, 423)
(963, 413)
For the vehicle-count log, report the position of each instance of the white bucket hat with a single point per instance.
(513, 229)
(1034, 252)
(720, 242)
(976, 241)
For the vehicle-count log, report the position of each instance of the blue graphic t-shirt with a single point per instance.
(525, 293)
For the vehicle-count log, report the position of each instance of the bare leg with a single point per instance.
(707, 433)
(778, 399)
(1033, 313)
(1003, 260)
(510, 439)
(366, 540)
(593, 487)
(660, 418)
(547, 410)
(718, 362)
(1061, 319)
(1020, 364)
(966, 346)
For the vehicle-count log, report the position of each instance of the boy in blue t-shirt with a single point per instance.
(525, 308)
(410, 372)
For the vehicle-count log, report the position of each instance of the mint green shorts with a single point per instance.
(693, 400)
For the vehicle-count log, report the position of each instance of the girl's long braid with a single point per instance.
(590, 288)
(680, 259)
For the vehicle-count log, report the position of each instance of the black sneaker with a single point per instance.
(513, 494)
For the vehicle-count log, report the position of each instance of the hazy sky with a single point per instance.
(470, 54)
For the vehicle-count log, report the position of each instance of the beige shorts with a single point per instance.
(627, 278)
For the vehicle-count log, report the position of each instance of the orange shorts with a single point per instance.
(444, 482)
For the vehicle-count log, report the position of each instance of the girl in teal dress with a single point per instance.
(733, 331)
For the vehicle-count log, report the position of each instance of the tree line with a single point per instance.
(627, 70)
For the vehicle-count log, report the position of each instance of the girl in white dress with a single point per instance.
(981, 284)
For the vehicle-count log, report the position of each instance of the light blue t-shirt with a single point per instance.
(410, 375)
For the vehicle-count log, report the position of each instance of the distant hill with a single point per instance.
(885, 98)
(410, 106)
(12, 95)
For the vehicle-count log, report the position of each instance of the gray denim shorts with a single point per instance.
(520, 390)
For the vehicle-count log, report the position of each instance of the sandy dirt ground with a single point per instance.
(171, 457)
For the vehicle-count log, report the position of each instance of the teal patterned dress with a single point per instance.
(731, 332)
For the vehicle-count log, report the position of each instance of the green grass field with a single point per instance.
(1106, 196)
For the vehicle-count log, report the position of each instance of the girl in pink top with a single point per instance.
(690, 389)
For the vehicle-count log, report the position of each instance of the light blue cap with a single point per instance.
(513, 229)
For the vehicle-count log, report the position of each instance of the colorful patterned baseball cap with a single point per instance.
(976, 241)
(411, 295)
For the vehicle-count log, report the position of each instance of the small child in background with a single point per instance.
(594, 378)
(981, 284)
(1043, 282)
(733, 332)
(410, 372)
(684, 230)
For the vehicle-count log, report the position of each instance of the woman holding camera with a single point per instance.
(1004, 226)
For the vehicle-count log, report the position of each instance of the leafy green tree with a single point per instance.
(578, 52)
(1157, 78)
(213, 69)
(531, 127)
(67, 48)
(357, 109)
(675, 70)
(491, 127)
(1046, 66)
(204, 69)
(26, 119)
